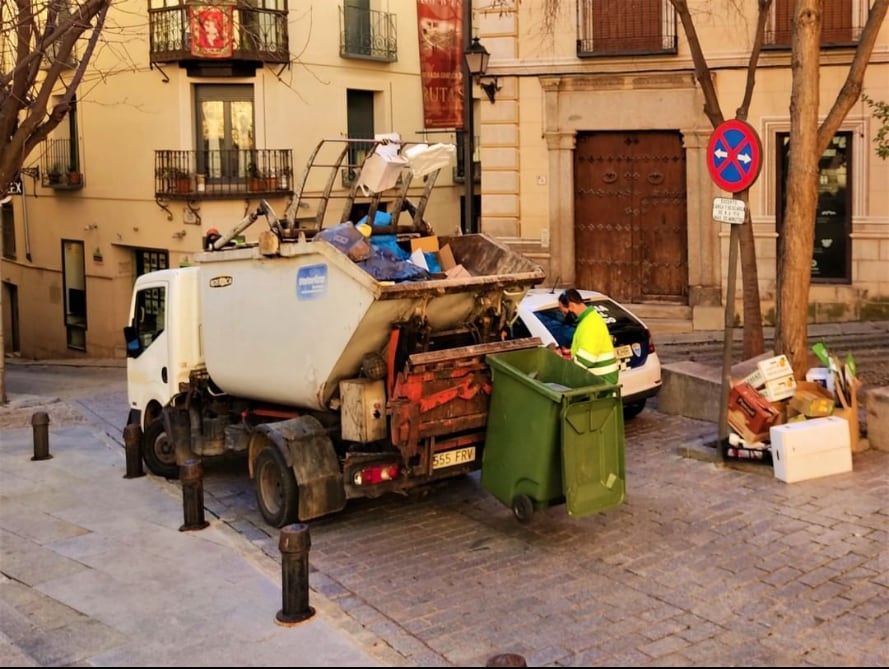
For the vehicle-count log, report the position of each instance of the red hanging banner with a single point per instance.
(211, 31)
(440, 31)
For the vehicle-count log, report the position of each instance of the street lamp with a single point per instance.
(477, 58)
(475, 61)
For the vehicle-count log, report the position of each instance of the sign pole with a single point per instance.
(734, 159)
(728, 339)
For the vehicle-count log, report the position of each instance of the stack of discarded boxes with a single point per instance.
(807, 428)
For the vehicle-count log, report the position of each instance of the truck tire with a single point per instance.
(276, 492)
(159, 451)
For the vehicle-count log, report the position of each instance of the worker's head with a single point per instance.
(570, 302)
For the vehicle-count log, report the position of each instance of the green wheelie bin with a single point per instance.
(555, 434)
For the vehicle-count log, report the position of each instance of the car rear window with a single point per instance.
(619, 322)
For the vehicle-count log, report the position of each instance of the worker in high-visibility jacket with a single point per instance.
(592, 346)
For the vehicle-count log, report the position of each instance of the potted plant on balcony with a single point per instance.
(255, 178)
(75, 178)
(177, 180)
(54, 174)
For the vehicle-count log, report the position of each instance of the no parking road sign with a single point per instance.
(734, 155)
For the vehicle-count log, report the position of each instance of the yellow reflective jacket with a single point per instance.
(592, 346)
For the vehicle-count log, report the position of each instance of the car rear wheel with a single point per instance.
(633, 409)
(277, 494)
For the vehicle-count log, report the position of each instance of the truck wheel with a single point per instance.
(522, 508)
(276, 493)
(159, 451)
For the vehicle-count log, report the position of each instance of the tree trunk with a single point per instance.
(794, 268)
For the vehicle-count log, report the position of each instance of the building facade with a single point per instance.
(595, 153)
(588, 125)
(191, 115)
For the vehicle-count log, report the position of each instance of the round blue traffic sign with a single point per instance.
(734, 155)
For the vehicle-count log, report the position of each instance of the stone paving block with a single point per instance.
(71, 643)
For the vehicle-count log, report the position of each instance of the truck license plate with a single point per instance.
(458, 456)
(623, 352)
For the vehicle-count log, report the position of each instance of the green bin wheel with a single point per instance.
(522, 508)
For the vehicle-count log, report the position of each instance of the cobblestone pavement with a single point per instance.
(702, 565)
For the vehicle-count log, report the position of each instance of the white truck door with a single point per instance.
(149, 376)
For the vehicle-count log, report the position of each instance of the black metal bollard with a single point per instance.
(294, 545)
(506, 660)
(191, 475)
(132, 439)
(40, 425)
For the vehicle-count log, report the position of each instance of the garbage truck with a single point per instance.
(336, 382)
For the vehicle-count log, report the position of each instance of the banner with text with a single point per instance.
(440, 30)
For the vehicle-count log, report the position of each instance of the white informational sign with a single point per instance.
(728, 210)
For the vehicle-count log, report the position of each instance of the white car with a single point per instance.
(640, 368)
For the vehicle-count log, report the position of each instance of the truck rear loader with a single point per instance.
(335, 384)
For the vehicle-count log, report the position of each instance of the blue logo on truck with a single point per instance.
(311, 282)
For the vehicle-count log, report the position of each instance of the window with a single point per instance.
(62, 153)
(148, 322)
(621, 27)
(8, 232)
(263, 25)
(360, 122)
(169, 31)
(225, 131)
(838, 25)
(356, 18)
(74, 288)
(148, 260)
(832, 252)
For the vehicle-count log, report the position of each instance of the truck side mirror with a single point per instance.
(134, 346)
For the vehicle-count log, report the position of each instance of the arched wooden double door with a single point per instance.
(630, 218)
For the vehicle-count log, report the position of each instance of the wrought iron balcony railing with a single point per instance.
(60, 167)
(368, 34)
(196, 175)
(255, 34)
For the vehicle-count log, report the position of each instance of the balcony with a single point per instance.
(248, 35)
(60, 168)
(367, 34)
(222, 174)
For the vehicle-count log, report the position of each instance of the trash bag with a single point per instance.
(389, 243)
(384, 265)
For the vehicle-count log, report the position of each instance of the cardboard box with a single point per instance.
(849, 411)
(774, 368)
(755, 379)
(750, 414)
(779, 389)
(458, 272)
(426, 244)
(446, 256)
(811, 399)
(810, 449)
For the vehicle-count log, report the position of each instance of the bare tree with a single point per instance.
(38, 42)
(752, 320)
(808, 141)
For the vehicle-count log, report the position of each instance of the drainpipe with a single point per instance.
(25, 219)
